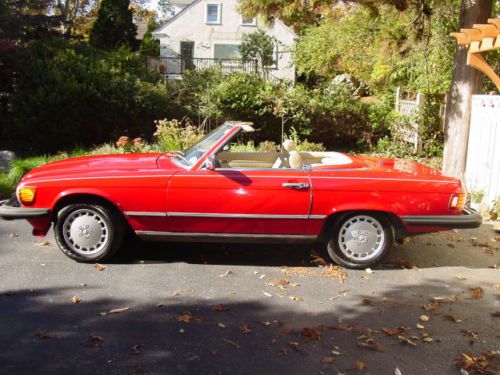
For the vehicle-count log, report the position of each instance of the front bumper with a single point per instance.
(469, 218)
(11, 210)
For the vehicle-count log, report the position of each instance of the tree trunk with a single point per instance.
(466, 82)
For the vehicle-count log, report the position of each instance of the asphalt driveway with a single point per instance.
(248, 309)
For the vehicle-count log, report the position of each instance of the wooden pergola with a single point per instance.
(481, 38)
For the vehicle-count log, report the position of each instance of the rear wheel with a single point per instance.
(88, 232)
(359, 240)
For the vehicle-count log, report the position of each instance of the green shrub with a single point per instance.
(69, 94)
(6, 186)
(174, 135)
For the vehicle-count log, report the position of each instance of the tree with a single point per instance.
(466, 81)
(114, 26)
(258, 46)
(149, 45)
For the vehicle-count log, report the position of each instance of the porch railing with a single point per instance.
(175, 66)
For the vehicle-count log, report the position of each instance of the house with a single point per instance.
(207, 32)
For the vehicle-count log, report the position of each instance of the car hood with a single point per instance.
(100, 163)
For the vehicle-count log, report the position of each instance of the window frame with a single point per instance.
(251, 24)
(219, 13)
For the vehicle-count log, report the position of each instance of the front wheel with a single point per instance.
(359, 240)
(88, 232)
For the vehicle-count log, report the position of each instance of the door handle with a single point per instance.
(296, 185)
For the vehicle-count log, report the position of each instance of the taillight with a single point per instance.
(457, 202)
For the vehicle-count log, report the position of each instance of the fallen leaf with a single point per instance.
(327, 360)
(460, 277)
(318, 259)
(420, 326)
(43, 243)
(406, 340)
(45, 335)
(361, 366)
(336, 272)
(368, 270)
(295, 298)
(268, 295)
(433, 307)
(477, 292)
(13, 235)
(452, 245)
(225, 274)
(395, 331)
(283, 282)
(99, 267)
(452, 318)
(336, 352)
(221, 325)
(295, 345)
(424, 318)
(118, 310)
(245, 328)
(95, 338)
(475, 363)
(397, 371)
(136, 349)
(185, 317)
(232, 343)
(473, 334)
(75, 299)
(219, 308)
(310, 334)
(428, 339)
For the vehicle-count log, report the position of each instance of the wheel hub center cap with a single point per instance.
(86, 232)
(360, 236)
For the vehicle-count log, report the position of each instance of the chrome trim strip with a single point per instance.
(241, 216)
(217, 215)
(324, 177)
(146, 233)
(144, 213)
(317, 216)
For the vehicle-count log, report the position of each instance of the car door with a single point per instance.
(238, 201)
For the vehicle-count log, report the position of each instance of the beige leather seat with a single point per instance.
(294, 158)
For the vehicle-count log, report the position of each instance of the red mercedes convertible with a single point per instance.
(357, 207)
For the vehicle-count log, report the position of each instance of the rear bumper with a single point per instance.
(9, 211)
(469, 218)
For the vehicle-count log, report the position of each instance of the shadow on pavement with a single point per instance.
(179, 335)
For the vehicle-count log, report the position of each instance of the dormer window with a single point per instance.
(248, 21)
(214, 13)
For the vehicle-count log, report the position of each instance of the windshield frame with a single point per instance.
(226, 130)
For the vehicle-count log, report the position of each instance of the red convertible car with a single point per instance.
(356, 206)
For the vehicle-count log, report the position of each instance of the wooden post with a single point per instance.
(420, 105)
(398, 93)
(466, 81)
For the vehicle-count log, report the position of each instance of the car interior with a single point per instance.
(287, 158)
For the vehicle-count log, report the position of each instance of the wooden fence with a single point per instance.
(482, 174)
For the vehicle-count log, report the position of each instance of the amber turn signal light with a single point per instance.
(26, 195)
(457, 202)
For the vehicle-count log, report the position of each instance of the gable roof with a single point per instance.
(158, 31)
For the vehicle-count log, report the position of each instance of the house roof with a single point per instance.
(158, 31)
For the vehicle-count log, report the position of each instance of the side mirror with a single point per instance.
(211, 162)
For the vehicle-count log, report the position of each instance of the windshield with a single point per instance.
(194, 153)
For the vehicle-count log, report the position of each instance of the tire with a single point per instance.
(359, 240)
(88, 232)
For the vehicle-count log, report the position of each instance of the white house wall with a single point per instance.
(191, 25)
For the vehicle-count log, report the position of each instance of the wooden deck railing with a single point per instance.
(175, 66)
